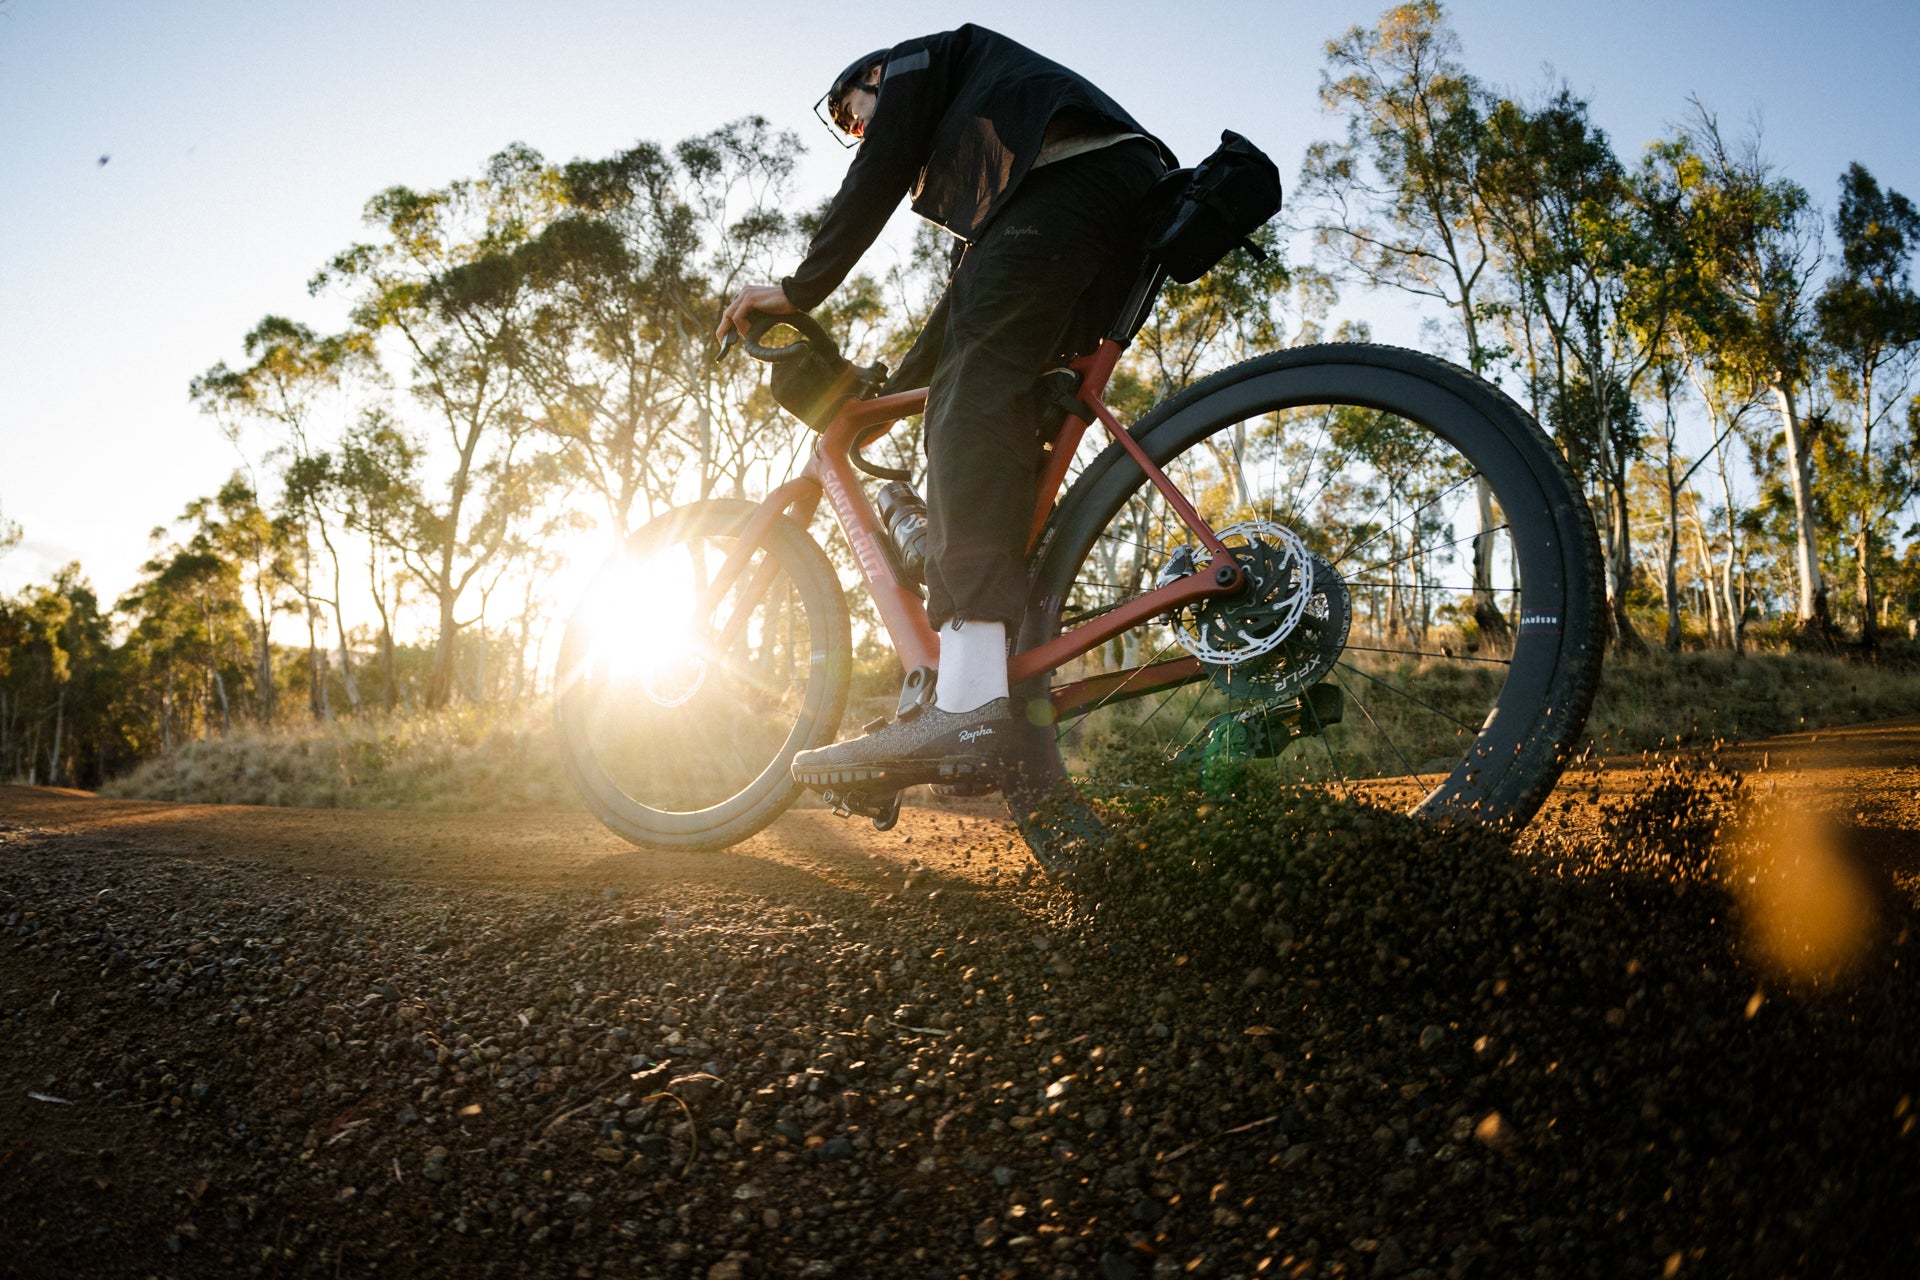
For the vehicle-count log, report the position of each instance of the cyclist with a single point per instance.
(1038, 174)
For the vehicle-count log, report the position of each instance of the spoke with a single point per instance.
(1171, 694)
(1125, 590)
(1196, 733)
(1410, 697)
(1421, 586)
(1320, 732)
(1122, 685)
(1295, 506)
(1421, 653)
(1179, 728)
(1125, 542)
(1384, 735)
(1431, 549)
(1440, 546)
(1414, 514)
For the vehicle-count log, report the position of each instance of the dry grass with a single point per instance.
(1696, 697)
(460, 759)
(468, 759)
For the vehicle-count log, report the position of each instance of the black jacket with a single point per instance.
(958, 122)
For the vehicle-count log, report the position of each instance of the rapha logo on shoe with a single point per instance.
(1022, 231)
(971, 735)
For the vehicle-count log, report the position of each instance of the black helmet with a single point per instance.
(856, 70)
(851, 76)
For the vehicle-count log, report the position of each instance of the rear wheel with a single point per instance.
(1359, 487)
(679, 727)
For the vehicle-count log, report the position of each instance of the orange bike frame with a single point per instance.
(831, 471)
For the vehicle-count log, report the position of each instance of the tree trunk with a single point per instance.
(1670, 586)
(1863, 538)
(440, 680)
(1811, 607)
(340, 618)
(1620, 567)
(1736, 609)
(59, 732)
(316, 678)
(1486, 611)
(389, 680)
(1709, 574)
(1863, 556)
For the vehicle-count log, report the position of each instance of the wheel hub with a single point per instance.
(1306, 655)
(1282, 632)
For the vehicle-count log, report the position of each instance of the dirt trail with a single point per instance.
(1866, 775)
(287, 1042)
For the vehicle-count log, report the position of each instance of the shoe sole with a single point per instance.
(892, 779)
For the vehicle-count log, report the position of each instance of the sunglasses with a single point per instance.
(834, 111)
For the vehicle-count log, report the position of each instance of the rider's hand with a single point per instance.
(768, 298)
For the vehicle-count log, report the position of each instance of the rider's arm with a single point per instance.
(914, 90)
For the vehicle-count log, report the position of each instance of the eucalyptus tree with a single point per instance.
(258, 551)
(1869, 317)
(377, 477)
(738, 179)
(1398, 203)
(1599, 260)
(36, 668)
(1763, 236)
(190, 620)
(438, 279)
(612, 337)
(9, 535)
(56, 683)
(1702, 327)
(292, 370)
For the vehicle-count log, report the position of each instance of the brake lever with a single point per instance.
(727, 344)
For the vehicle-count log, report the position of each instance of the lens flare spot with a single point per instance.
(1809, 902)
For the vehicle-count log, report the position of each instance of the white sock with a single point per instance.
(973, 665)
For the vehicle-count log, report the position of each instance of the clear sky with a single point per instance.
(172, 170)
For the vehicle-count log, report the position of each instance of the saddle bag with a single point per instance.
(1196, 216)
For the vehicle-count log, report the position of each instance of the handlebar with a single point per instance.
(812, 336)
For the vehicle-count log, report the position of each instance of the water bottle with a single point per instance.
(905, 515)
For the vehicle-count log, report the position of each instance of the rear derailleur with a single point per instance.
(1260, 732)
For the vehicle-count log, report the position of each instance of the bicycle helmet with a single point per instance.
(856, 70)
(851, 76)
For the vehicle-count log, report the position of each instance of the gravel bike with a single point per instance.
(1344, 564)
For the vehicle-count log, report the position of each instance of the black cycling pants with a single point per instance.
(1043, 282)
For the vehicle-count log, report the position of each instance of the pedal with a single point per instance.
(980, 784)
(884, 810)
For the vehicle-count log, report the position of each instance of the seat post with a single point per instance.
(1146, 288)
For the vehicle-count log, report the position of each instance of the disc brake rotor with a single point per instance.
(675, 687)
(1258, 620)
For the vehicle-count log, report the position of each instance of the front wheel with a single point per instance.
(1422, 624)
(679, 717)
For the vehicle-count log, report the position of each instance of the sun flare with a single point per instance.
(641, 625)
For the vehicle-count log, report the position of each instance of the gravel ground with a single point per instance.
(1301, 1039)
